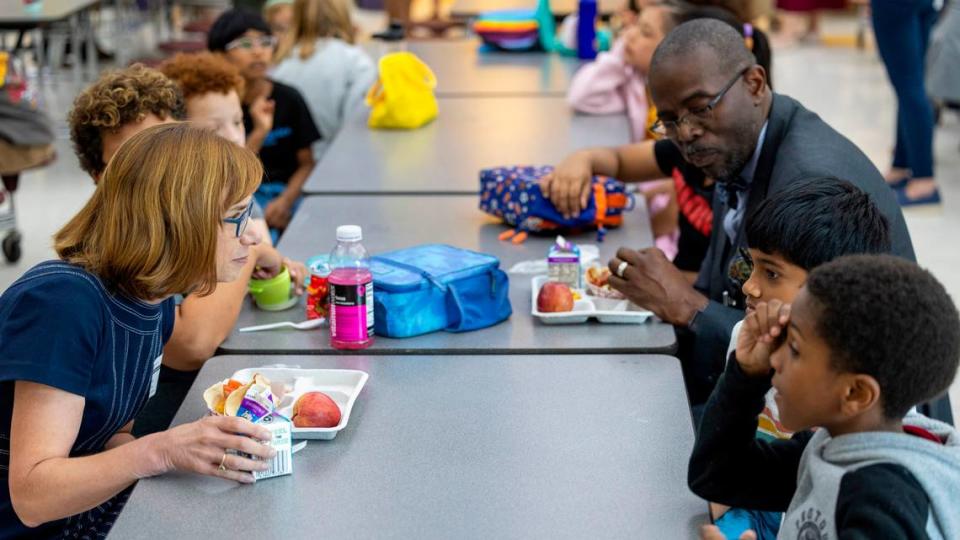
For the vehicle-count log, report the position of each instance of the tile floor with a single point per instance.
(845, 86)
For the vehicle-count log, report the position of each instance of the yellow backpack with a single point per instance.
(403, 97)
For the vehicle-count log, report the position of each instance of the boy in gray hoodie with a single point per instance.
(867, 338)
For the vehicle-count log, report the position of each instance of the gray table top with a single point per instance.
(459, 447)
(446, 155)
(15, 12)
(462, 70)
(393, 222)
(471, 8)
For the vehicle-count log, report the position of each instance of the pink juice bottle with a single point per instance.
(351, 291)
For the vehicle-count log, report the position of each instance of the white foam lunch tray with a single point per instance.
(605, 310)
(342, 385)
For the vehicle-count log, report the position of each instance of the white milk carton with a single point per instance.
(563, 263)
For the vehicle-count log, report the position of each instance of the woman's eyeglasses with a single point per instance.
(241, 220)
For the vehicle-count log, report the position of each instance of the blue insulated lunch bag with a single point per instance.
(432, 287)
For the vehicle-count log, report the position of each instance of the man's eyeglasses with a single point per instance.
(241, 220)
(695, 117)
(248, 43)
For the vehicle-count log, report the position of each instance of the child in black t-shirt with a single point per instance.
(278, 123)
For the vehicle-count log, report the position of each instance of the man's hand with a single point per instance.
(651, 281)
(568, 186)
(762, 331)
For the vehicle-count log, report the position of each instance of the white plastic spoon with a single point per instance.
(305, 325)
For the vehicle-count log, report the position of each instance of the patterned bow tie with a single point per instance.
(731, 189)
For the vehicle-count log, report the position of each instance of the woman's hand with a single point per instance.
(203, 446)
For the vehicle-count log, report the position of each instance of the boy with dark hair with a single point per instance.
(866, 338)
(278, 123)
(789, 234)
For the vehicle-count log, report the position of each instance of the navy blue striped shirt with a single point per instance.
(59, 326)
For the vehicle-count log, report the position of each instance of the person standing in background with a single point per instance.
(902, 29)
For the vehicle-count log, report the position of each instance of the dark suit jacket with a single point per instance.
(798, 145)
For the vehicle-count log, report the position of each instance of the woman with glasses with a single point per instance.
(276, 118)
(81, 338)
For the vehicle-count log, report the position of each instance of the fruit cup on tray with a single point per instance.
(597, 279)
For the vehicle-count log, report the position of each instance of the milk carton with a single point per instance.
(563, 263)
(282, 463)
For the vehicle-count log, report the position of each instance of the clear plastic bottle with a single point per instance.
(351, 291)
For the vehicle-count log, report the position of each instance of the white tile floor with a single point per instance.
(847, 87)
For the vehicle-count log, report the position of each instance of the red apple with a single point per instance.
(315, 409)
(554, 296)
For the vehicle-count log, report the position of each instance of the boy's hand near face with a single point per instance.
(261, 110)
(763, 330)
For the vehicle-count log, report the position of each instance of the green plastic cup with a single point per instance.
(273, 294)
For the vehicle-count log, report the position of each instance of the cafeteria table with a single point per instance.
(463, 69)
(443, 447)
(393, 222)
(470, 134)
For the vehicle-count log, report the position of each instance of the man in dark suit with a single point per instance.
(720, 121)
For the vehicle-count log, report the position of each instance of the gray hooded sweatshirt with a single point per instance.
(862, 485)
(827, 461)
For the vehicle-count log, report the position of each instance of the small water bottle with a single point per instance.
(351, 291)
(587, 29)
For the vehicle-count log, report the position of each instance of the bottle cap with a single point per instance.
(349, 233)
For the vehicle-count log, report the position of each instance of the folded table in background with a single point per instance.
(463, 70)
(560, 8)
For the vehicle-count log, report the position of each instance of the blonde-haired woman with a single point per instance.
(81, 337)
(318, 58)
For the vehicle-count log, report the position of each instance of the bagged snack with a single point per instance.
(597, 278)
(256, 402)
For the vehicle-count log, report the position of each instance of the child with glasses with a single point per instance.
(277, 120)
(791, 233)
(82, 337)
(318, 57)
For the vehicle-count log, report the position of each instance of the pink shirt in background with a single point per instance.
(609, 85)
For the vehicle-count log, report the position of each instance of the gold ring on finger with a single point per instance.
(222, 467)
